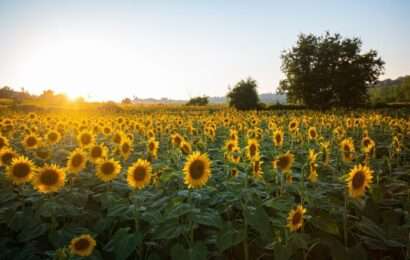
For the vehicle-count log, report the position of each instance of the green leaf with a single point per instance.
(123, 243)
(260, 221)
(31, 231)
(197, 252)
(229, 237)
(180, 210)
(281, 252)
(326, 224)
(208, 217)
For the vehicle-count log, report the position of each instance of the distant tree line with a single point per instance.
(390, 91)
(198, 101)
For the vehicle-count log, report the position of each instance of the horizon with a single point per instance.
(180, 50)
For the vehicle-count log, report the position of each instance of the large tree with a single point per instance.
(244, 95)
(329, 70)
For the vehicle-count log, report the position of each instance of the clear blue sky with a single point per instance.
(107, 50)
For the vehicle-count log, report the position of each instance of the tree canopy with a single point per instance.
(198, 101)
(329, 70)
(244, 95)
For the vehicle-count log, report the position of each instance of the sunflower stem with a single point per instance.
(345, 220)
(245, 222)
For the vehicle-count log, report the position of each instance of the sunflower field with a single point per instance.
(205, 184)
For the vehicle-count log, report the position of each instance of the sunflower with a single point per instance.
(312, 158)
(185, 147)
(139, 174)
(252, 149)
(396, 146)
(234, 172)
(76, 161)
(31, 141)
(235, 156)
(176, 139)
(233, 135)
(85, 138)
(368, 147)
(108, 169)
(295, 218)
(325, 150)
(53, 137)
(82, 245)
(358, 179)
(49, 178)
(257, 168)
(284, 162)
(197, 170)
(347, 149)
(118, 137)
(6, 156)
(98, 152)
(312, 133)
(278, 137)
(107, 130)
(230, 145)
(152, 147)
(293, 126)
(20, 170)
(125, 148)
(4, 142)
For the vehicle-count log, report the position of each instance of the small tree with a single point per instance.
(244, 95)
(198, 101)
(126, 101)
(324, 71)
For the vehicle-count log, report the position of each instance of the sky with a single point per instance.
(109, 50)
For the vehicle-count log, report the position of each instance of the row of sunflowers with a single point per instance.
(205, 185)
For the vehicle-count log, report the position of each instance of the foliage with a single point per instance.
(244, 95)
(329, 70)
(198, 101)
(396, 91)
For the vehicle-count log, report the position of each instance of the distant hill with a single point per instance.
(391, 82)
(267, 98)
(391, 90)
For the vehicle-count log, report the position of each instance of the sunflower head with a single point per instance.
(125, 148)
(347, 149)
(108, 169)
(139, 174)
(98, 152)
(53, 137)
(85, 138)
(176, 139)
(82, 245)
(293, 126)
(49, 178)
(31, 141)
(197, 170)
(278, 137)
(252, 149)
(358, 179)
(6, 156)
(185, 147)
(77, 161)
(21, 170)
(257, 168)
(295, 218)
(152, 147)
(312, 133)
(4, 142)
(284, 162)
